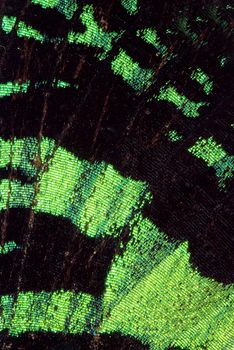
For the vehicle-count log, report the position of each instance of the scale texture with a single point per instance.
(116, 175)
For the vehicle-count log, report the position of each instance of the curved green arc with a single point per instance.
(151, 281)
(65, 189)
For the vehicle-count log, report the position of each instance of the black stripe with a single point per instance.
(47, 266)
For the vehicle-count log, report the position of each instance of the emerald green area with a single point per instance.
(203, 79)
(169, 304)
(174, 136)
(215, 156)
(8, 247)
(189, 108)
(95, 197)
(62, 84)
(150, 36)
(46, 3)
(224, 170)
(173, 305)
(94, 35)
(146, 249)
(47, 312)
(8, 23)
(66, 7)
(25, 31)
(9, 88)
(208, 150)
(130, 5)
(21, 196)
(151, 292)
(6, 304)
(138, 78)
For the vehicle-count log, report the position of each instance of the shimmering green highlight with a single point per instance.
(26, 31)
(173, 305)
(147, 247)
(8, 23)
(150, 36)
(208, 150)
(174, 136)
(100, 204)
(59, 311)
(151, 292)
(189, 108)
(130, 5)
(8, 247)
(62, 84)
(215, 156)
(94, 35)
(203, 79)
(138, 78)
(23, 30)
(9, 88)
(66, 7)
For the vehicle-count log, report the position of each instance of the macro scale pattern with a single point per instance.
(116, 164)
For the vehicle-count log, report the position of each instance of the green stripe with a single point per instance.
(102, 213)
(66, 7)
(203, 79)
(130, 5)
(8, 247)
(138, 78)
(94, 35)
(47, 312)
(189, 108)
(10, 88)
(215, 156)
(174, 305)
